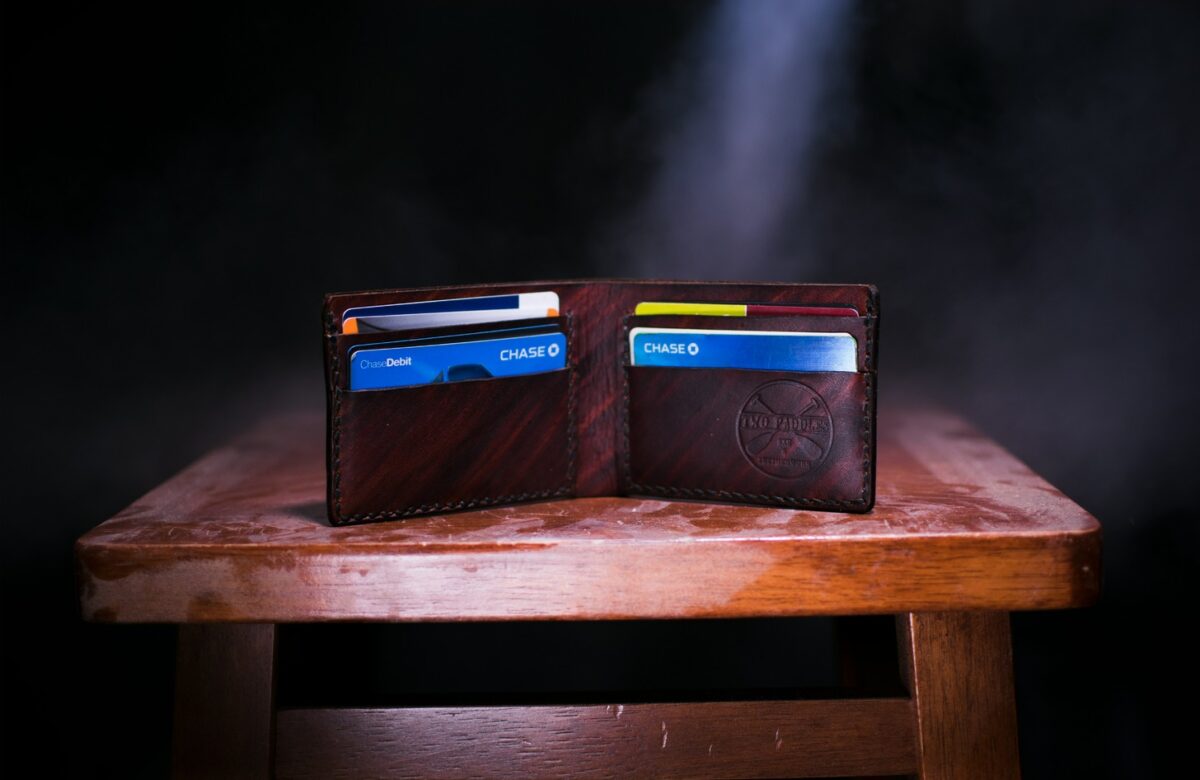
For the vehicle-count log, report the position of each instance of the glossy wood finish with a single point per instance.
(241, 539)
(699, 740)
(958, 668)
(242, 536)
(224, 701)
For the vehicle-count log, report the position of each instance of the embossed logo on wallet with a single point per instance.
(785, 429)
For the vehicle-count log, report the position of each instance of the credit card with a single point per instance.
(752, 349)
(741, 309)
(438, 319)
(426, 361)
(476, 335)
(449, 311)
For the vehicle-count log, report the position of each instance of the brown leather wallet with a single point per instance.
(602, 427)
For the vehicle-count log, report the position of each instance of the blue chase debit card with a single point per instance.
(753, 349)
(507, 353)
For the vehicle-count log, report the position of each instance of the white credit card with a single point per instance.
(449, 311)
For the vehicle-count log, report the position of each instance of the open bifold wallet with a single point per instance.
(451, 398)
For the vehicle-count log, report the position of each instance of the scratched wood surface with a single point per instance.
(241, 535)
(694, 740)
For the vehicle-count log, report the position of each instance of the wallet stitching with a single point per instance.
(669, 491)
(337, 431)
(464, 503)
(626, 362)
(572, 432)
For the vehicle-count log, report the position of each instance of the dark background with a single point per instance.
(182, 184)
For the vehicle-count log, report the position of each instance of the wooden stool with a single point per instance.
(962, 534)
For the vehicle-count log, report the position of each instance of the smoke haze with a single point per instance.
(735, 122)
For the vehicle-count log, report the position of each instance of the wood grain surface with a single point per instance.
(224, 702)
(242, 536)
(694, 740)
(958, 670)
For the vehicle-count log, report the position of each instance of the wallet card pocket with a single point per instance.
(795, 439)
(404, 451)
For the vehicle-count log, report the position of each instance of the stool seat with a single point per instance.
(962, 533)
(242, 536)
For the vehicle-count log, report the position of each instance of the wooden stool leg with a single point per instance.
(224, 701)
(958, 669)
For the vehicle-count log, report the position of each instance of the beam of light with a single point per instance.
(738, 120)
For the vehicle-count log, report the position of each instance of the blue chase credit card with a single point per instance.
(751, 349)
(374, 366)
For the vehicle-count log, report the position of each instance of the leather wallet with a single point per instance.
(602, 427)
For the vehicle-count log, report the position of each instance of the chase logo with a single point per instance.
(785, 429)
(671, 348)
(529, 352)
